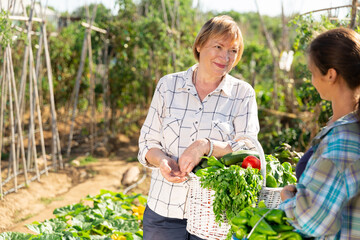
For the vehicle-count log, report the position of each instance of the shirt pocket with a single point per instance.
(223, 131)
(170, 130)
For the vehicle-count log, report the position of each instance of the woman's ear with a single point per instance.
(331, 75)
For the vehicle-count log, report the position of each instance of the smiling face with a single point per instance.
(218, 55)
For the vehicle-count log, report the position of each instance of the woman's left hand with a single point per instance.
(192, 155)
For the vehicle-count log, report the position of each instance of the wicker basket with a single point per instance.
(201, 218)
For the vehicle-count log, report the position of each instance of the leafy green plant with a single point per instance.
(235, 188)
(112, 216)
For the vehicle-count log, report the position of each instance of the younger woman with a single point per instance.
(326, 201)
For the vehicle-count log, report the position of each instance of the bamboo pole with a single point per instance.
(3, 100)
(31, 142)
(33, 94)
(37, 101)
(23, 18)
(56, 147)
(78, 79)
(37, 105)
(326, 9)
(92, 100)
(106, 88)
(17, 111)
(96, 29)
(13, 155)
(38, 64)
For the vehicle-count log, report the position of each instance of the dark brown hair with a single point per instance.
(220, 26)
(338, 49)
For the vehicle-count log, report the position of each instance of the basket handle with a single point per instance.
(261, 154)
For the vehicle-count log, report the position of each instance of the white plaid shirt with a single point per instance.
(177, 118)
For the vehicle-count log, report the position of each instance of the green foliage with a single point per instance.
(307, 28)
(6, 31)
(235, 188)
(112, 214)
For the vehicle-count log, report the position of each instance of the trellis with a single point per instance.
(87, 47)
(22, 167)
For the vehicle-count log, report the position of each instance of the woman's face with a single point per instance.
(218, 55)
(319, 81)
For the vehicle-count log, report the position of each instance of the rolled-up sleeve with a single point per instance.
(150, 133)
(246, 122)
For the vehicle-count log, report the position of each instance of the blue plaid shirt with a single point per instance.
(327, 202)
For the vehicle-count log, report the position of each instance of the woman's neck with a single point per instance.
(205, 83)
(344, 102)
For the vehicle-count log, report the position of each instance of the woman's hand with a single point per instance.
(192, 155)
(288, 191)
(171, 171)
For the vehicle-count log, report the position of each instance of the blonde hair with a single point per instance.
(220, 26)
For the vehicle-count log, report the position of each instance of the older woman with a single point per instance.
(201, 111)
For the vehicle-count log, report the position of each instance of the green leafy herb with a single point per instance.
(235, 188)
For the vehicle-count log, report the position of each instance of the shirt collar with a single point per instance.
(347, 119)
(225, 85)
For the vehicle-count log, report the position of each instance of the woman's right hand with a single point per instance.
(171, 171)
(287, 192)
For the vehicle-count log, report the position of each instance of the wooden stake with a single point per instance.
(56, 147)
(78, 80)
(17, 111)
(92, 101)
(2, 110)
(12, 128)
(37, 105)
(106, 88)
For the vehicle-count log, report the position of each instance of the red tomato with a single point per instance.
(252, 161)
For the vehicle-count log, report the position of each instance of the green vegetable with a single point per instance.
(240, 232)
(201, 172)
(271, 181)
(197, 168)
(287, 166)
(239, 220)
(204, 164)
(205, 171)
(285, 153)
(258, 236)
(282, 228)
(212, 161)
(235, 189)
(263, 226)
(272, 227)
(237, 157)
(290, 235)
(283, 173)
(261, 204)
(275, 215)
(243, 213)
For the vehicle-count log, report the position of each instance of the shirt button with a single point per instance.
(196, 122)
(188, 89)
(200, 109)
(192, 139)
(195, 94)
